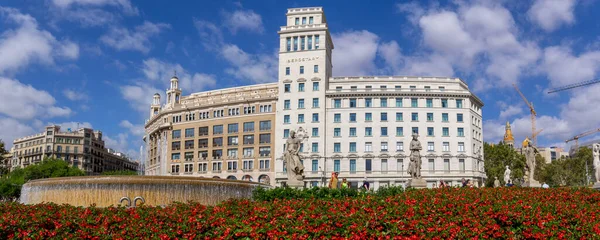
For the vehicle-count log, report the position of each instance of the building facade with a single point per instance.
(508, 136)
(224, 133)
(359, 126)
(83, 149)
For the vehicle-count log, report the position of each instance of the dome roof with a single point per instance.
(156, 94)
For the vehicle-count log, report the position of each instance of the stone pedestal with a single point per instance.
(417, 183)
(596, 186)
(532, 183)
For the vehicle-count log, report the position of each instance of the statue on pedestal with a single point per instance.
(295, 168)
(596, 157)
(530, 151)
(414, 167)
(507, 175)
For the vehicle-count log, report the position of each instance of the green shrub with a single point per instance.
(121, 173)
(262, 194)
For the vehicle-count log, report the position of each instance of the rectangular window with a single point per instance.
(461, 146)
(315, 165)
(315, 103)
(232, 128)
(286, 104)
(430, 146)
(447, 165)
(297, 22)
(286, 133)
(336, 165)
(445, 132)
(264, 138)
(315, 147)
(316, 68)
(368, 131)
(444, 117)
(300, 87)
(352, 132)
(286, 119)
(368, 147)
(444, 103)
(399, 117)
(352, 147)
(316, 41)
(337, 117)
(302, 44)
(399, 146)
(248, 165)
(353, 88)
(249, 127)
(295, 43)
(218, 129)
(429, 103)
(303, 20)
(315, 132)
(368, 117)
(265, 125)
(368, 167)
(231, 166)
(415, 117)
(300, 103)
(384, 131)
(287, 88)
(264, 151)
(310, 20)
(189, 132)
(384, 146)
(176, 145)
(301, 118)
(176, 134)
(459, 103)
(287, 71)
(459, 117)
(202, 131)
(301, 69)
(414, 102)
(315, 117)
(427, 88)
(431, 165)
(383, 116)
(352, 102)
(368, 102)
(248, 152)
(352, 165)
(309, 43)
(398, 102)
(248, 139)
(430, 117)
(384, 165)
(337, 132)
(461, 132)
(442, 89)
(203, 143)
(399, 131)
(430, 131)
(415, 130)
(338, 89)
(352, 117)
(446, 146)
(337, 103)
(383, 102)
(337, 147)
(288, 44)
(461, 165)
(217, 142)
(315, 86)
(176, 156)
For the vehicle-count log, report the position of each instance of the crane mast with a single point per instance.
(534, 133)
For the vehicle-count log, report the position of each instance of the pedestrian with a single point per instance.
(366, 185)
(509, 183)
(464, 182)
(442, 184)
(334, 181)
(544, 185)
(344, 183)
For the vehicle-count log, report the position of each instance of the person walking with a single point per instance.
(366, 185)
(344, 183)
(333, 183)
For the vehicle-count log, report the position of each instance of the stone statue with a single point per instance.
(414, 167)
(530, 151)
(496, 183)
(596, 157)
(507, 175)
(295, 168)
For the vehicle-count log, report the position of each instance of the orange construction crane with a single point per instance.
(533, 116)
(576, 138)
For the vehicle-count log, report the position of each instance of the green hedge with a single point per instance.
(262, 194)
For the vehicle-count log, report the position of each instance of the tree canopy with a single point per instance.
(497, 157)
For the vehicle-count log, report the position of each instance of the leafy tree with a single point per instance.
(124, 172)
(570, 171)
(497, 157)
(3, 161)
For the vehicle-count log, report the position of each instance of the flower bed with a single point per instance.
(436, 214)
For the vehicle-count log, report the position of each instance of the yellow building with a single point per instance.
(508, 136)
(226, 133)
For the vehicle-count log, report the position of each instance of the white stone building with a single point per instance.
(362, 126)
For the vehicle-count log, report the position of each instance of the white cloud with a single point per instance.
(243, 19)
(551, 14)
(137, 39)
(27, 43)
(210, 35)
(13, 129)
(258, 68)
(563, 68)
(139, 96)
(74, 95)
(125, 5)
(135, 129)
(25, 102)
(509, 112)
(160, 71)
(354, 53)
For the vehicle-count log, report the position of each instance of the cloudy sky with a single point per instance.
(98, 62)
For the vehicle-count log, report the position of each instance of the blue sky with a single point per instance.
(98, 62)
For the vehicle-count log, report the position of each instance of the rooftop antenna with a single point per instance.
(175, 73)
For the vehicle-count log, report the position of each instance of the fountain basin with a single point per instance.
(104, 191)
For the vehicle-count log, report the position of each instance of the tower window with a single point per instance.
(316, 41)
(295, 43)
(288, 44)
(302, 41)
(297, 21)
(316, 70)
(301, 69)
(309, 42)
(303, 20)
(287, 71)
(310, 20)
